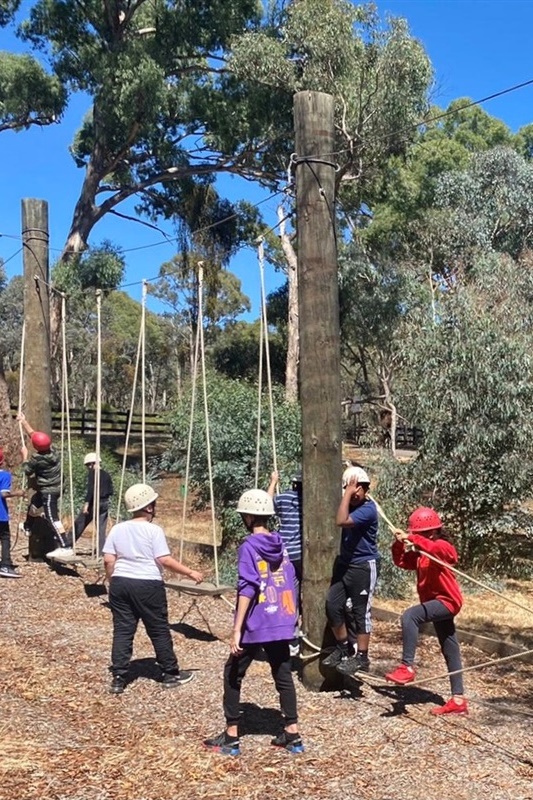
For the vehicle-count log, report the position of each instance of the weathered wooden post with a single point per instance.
(36, 314)
(320, 391)
(38, 410)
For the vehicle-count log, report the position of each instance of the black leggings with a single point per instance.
(235, 669)
(442, 618)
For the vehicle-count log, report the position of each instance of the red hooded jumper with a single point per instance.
(434, 582)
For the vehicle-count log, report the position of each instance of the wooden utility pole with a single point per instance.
(35, 241)
(320, 391)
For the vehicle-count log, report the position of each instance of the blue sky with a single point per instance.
(477, 47)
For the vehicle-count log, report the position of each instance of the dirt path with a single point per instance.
(63, 737)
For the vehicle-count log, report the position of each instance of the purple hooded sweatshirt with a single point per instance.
(267, 577)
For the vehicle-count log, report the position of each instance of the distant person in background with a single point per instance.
(44, 468)
(7, 568)
(288, 509)
(85, 517)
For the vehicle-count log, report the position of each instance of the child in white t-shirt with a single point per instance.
(135, 553)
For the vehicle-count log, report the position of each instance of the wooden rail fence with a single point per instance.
(113, 424)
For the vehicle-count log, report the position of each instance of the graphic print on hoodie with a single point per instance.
(267, 577)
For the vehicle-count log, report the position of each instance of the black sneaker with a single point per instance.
(292, 742)
(335, 657)
(224, 744)
(118, 684)
(169, 679)
(9, 572)
(353, 664)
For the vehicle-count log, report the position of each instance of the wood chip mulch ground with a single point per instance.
(63, 737)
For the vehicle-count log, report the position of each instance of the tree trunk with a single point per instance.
(319, 362)
(293, 330)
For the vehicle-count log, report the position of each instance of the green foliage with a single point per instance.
(149, 69)
(178, 287)
(469, 389)
(110, 463)
(235, 352)
(378, 74)
(100, 267)
(407, 189)
(489, 205)
(28, 94)
(233, 414)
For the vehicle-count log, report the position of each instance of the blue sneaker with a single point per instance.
(224, 744)
(292, 742)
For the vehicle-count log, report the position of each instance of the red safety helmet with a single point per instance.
(1, 456)
(424, 519)
(41, 441)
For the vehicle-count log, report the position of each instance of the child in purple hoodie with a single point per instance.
(264, 620)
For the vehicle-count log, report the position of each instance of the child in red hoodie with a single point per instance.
(440, 601)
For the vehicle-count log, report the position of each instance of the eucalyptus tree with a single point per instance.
(467, 382)
(29, 95)
(379, 75)
(149, 69)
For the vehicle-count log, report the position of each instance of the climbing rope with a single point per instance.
(264, 345)
(21, 431)
(65, 419)
(96, 486)
(189, 440)
(132, 408)
(199, 361)
(206, 412)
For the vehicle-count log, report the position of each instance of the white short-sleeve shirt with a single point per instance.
(136, 546)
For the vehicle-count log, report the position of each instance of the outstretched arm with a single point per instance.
(169, 562)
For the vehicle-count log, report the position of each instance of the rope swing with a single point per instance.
(96, 491)
(264, 344)
(199, 367)
(140, 355)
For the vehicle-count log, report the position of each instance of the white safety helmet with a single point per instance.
(139, 496)
(91, 458)
(256, 501)
(354, 472)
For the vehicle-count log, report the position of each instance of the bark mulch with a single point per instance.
(62, 736)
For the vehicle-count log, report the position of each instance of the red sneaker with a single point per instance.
(402, 674)
(451, 707)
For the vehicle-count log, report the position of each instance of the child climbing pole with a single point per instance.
(45, 468)
(440, 601)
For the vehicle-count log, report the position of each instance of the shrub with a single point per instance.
(233, 416)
